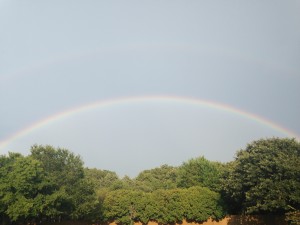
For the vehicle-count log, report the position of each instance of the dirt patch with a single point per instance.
(208, 222)
(237, 220)
(230, 220)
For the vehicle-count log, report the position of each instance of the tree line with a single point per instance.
(52, 184)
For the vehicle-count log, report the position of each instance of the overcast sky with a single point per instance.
(58, 55)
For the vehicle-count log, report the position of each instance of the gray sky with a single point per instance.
(58, 55)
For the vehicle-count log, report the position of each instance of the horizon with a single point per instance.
(58, 56)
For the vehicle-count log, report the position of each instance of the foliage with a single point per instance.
(121, 206)
(101, 178)
(164, 206)
(293, 217)
(61, 165)
(200, 172)
(52, 184)
(168, 206)
(164, 177)
(25, 192)
(47, 185)
(265, 177)
(66, 171)
(85, 201)
(200, 203)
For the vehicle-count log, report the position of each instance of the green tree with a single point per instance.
(84, 198)
(146, 207)
(164, 177)
(200, 203)
(121, 206)
(265, 177)
(101, 178)
(168, 206)
(6, 166)
(61, 165)
(26, 194)
(200, 172)
(65, 170)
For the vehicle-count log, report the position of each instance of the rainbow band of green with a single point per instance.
(144, 99)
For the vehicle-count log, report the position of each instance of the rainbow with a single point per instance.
(123, 101)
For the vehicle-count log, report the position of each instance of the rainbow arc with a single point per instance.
(125, 101)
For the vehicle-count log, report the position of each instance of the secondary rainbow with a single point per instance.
(125, 101)
(104, 50)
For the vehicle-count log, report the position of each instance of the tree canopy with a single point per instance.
(200, 172)
(47, 185)
(51, 184)
(166, 206)
(265, 177)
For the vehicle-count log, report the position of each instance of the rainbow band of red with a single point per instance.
(143, 99)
